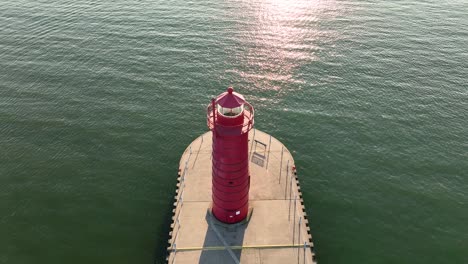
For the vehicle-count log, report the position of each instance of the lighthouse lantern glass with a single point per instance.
(230, 112)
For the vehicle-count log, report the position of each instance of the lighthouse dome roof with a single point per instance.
(230, 99)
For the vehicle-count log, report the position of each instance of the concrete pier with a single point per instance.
(277, 229)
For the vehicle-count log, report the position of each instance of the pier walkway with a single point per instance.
(277, 230)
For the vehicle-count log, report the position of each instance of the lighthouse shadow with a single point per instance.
(217, 237)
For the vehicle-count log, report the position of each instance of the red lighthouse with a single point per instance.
(230, 119)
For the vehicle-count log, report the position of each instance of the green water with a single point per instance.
(98, 100)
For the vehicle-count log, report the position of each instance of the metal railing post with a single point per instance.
(286, 189)
(290, 187)
(186, 167)
(294, 221)
(305, 245)
(281, 165)
(268, 159)
(298, 237)
(174, 249)
(299, 231)
(251, 145)
(178, 229)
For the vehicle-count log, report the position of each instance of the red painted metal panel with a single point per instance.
(230, 165)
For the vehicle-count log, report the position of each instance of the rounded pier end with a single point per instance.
(278, 224)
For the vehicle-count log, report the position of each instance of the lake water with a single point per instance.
(98, 100)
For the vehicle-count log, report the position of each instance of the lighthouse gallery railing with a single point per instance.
(219, 128)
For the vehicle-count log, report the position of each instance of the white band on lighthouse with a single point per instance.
(231, 112)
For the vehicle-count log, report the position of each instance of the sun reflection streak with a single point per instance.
(282, 36)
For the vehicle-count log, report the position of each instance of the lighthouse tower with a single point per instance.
(230, 119)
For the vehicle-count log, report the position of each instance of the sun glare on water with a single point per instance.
(281, 38)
